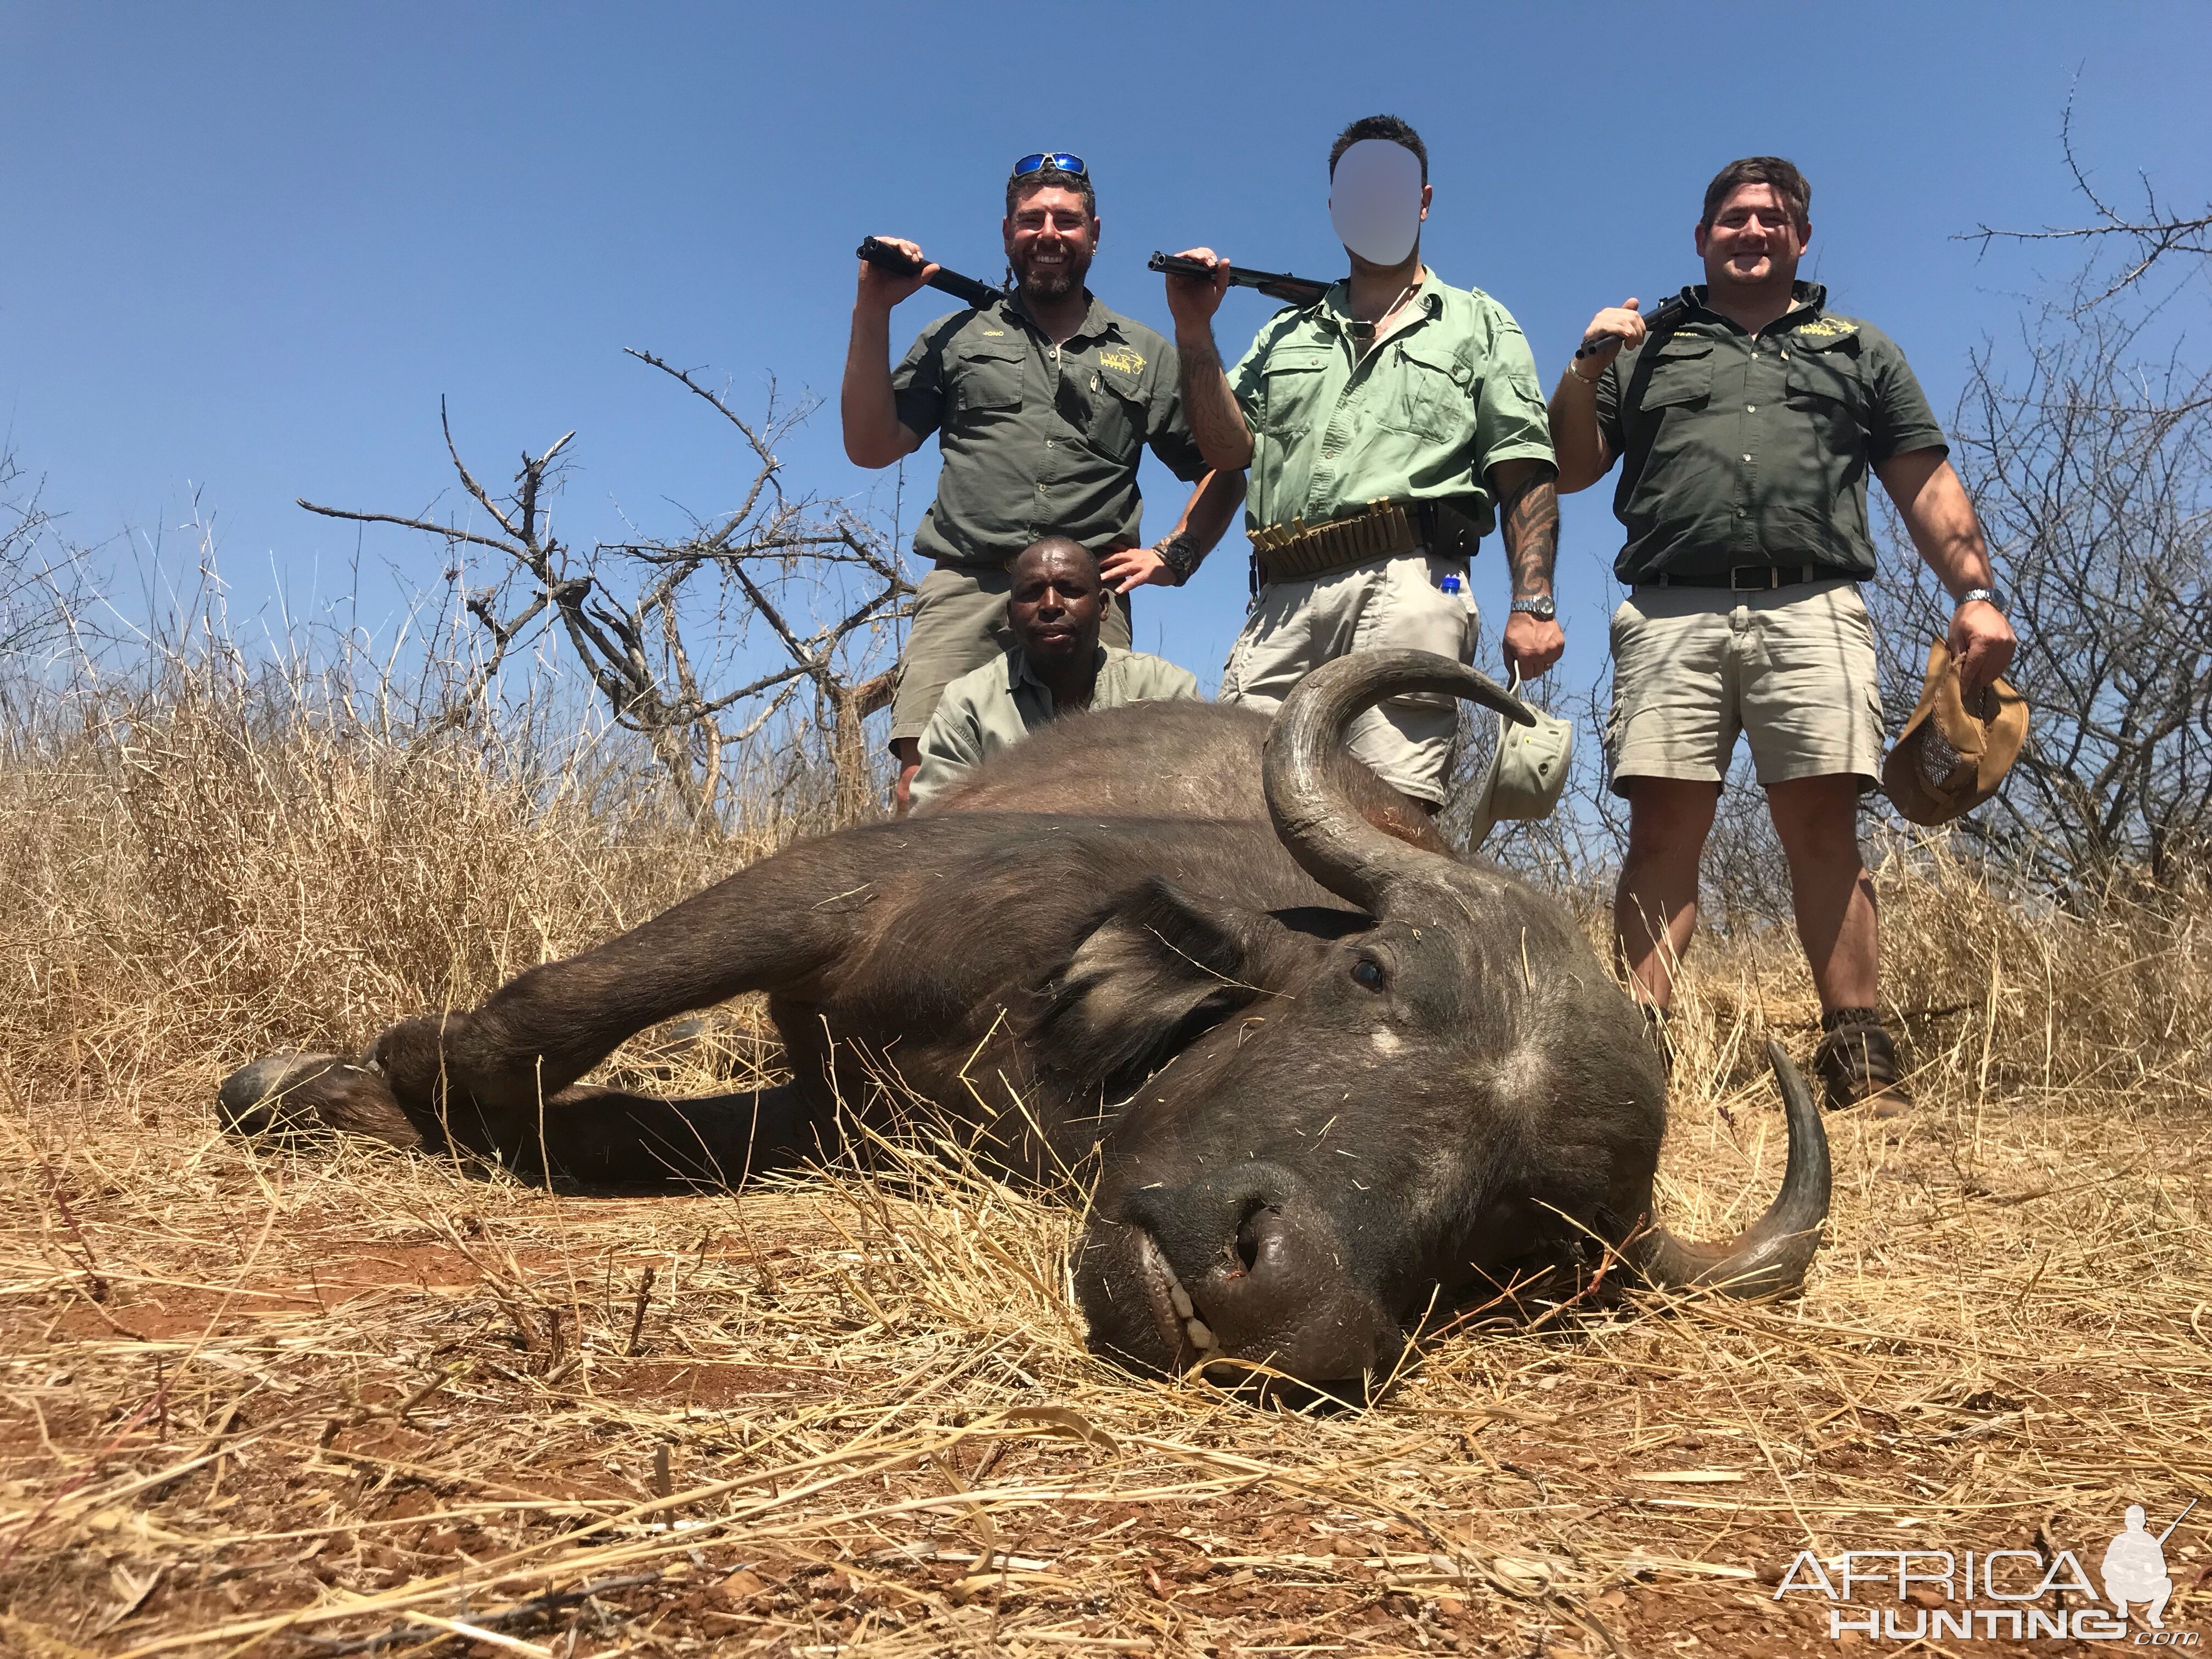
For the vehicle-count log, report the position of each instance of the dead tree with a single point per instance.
(630, 610)
(2156, 234)
(28, 612)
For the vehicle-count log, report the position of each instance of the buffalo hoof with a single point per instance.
(291, 1097)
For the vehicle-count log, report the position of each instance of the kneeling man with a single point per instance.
(1054, 610)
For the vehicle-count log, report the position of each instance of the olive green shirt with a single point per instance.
(1753, 449)
(1039, 439)
(996, 706)
(1424, 415)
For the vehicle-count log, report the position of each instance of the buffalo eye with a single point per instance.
(1368, 972)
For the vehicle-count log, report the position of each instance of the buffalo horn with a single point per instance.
(1336, 845)
(1771, 1255)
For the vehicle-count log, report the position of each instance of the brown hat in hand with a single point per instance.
(1950, 759)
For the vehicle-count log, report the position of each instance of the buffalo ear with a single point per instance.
(1159, 968)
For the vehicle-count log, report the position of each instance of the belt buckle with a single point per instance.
(1737, 583)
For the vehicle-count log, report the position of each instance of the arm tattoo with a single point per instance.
(1532, 537)
(1209, 404)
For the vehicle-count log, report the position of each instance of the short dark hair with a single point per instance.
(1789, 184)
(1058, 544)
(1379, 126)
(1050, 177)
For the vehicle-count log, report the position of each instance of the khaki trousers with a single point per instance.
(1397, 601)
(1792, 668)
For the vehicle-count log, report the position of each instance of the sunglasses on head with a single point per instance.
(1051, 158)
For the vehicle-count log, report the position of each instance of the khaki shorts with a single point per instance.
(959, 624)
(1296, 626)
(1791, 668)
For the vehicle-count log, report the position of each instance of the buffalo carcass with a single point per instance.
(1337, 1079)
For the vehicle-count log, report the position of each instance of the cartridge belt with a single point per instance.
(1295, 552)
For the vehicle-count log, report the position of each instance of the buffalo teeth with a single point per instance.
(1200, 1332)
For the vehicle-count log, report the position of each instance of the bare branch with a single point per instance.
(2156, 232)
(429, 526)
(786, 561)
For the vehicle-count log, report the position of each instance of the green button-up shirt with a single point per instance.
(1039, 439)
(1424, 415)
(1742, 449)
(996, 706)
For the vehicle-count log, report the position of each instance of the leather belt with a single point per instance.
(1753, 578)
(1297, 552)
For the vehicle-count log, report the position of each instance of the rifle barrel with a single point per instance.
(882, 255)
(1298, 290)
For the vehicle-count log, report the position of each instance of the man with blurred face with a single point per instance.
(1748, 425)
(1386, 427)
(1056, 604)
(1043, 403)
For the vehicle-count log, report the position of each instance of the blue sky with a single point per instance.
(248, 248)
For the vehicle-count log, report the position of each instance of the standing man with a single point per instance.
(1386, 426)
(1057, 667)
(1749, 427)
(1044, 403)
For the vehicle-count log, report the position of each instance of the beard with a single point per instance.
(1052, 284)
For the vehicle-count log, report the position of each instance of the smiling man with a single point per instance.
(1056, 604)
(1747, 426)
(1044, 403)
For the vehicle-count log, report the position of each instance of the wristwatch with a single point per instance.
(1987, 595)
(1538, 605)
(1181, 555)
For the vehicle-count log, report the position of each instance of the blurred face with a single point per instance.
(1049, 241)
(1751, 241)
(1055, 606)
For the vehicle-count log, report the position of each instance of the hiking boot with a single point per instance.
(1857, 1063)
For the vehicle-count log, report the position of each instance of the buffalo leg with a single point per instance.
(608, 1136)
(499, 1076)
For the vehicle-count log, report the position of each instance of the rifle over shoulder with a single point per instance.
(1280, 285)
(882, 255)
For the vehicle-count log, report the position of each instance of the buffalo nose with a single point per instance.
(1267, 1275)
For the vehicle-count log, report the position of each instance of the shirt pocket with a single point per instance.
(1107, 410)
(1435, 394)
(990, 376)
(1293, 390)
(1681, 449)
(1827, 398)
(1681, 376)
(1821, 378)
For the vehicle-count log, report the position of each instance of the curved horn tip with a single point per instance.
(1771, 1256)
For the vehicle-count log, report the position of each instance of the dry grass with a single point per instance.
(256, 1404)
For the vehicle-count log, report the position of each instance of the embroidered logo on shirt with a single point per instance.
(1122, 361)
(1823, 327)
